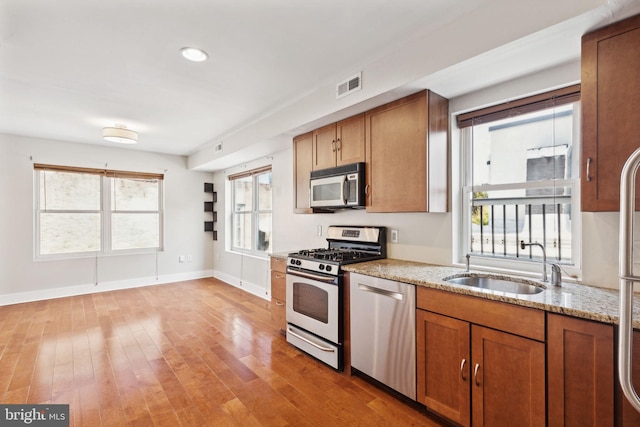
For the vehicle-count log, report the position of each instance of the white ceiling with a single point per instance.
(70, 67)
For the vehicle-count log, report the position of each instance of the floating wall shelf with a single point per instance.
(209, 208)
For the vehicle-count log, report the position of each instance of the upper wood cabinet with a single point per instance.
(610, 106)
(302, 165)
(339, 143)
(407, 154)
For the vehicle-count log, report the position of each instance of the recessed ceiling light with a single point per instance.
(194, 54)
(120, 134)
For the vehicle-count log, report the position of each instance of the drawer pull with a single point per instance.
(588, 169)
(279, 303)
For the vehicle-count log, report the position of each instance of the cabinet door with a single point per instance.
(396, 156)
(302, 164)
(443, 371)
(580, 372)
(350, 140)
(610, 100)
(324, 147)
(406, 155)
(628, 416)
(507, 380)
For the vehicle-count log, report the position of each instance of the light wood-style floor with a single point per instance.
(197, 353)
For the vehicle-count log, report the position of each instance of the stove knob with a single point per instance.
(321, 267)
(298, 262)
(292, 261)
(328, 268)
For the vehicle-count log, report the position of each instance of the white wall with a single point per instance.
(23, 279)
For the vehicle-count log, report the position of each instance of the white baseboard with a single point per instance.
(252, 288)
(69, 291)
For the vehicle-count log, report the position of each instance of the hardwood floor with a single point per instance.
(197, 353)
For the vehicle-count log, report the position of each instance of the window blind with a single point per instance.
(529, 104)
(104, 172)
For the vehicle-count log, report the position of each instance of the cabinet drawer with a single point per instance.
(523, 321)
(278, 285)
(279, 264)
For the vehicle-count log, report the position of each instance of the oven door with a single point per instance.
(313, 303)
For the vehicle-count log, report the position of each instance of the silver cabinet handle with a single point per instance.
(475, 374)
(464, 362)
(333, 145)
(588, 169)
(278, 303)
(396, 295)
(339, 144)
(319, 347)
(279, 276)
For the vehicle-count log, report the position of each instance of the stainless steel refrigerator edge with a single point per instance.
(383, 339)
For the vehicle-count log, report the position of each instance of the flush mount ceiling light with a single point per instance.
(194, 54)
(120, 134)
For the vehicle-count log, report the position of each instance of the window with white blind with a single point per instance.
(251, 211)
(520, 178)
(82, 211)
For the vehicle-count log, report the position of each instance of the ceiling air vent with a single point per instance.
(352, 84)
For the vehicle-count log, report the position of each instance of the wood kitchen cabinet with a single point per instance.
(610, 98)
(339, 143)
(480, 362)
(580, 372)
(627, 416)
(278, 293)
(407, 154)
(302, 165)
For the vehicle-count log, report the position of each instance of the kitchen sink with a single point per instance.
(496, 283)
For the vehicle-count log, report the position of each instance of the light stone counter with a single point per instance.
(572, 299)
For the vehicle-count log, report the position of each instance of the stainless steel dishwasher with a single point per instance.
(383, 331)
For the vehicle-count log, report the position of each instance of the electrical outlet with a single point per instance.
(319, 230)
(181, 258)
(394, 236)
(189, 258)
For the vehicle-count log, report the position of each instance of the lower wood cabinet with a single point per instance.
(627, 416)
(443, 365)
(279, 292)
(581, 372)
(474, 374)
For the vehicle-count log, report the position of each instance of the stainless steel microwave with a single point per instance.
(338, 188)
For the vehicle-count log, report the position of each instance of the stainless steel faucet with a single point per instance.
(544, 257)
(468, 256)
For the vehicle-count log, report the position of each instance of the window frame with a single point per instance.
(107, 178)
(570, 94)
(254, 213)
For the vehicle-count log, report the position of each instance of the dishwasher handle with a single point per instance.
(395, 295)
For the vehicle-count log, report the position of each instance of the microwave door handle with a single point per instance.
(345, 191)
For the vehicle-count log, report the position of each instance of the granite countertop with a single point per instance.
(572, 299)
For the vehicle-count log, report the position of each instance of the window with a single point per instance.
(520, 179)
(251, 212)
(83, 211)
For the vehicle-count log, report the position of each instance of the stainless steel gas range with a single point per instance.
(315, 295)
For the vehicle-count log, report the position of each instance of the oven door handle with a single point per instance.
(312, 276)
(308, 341)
